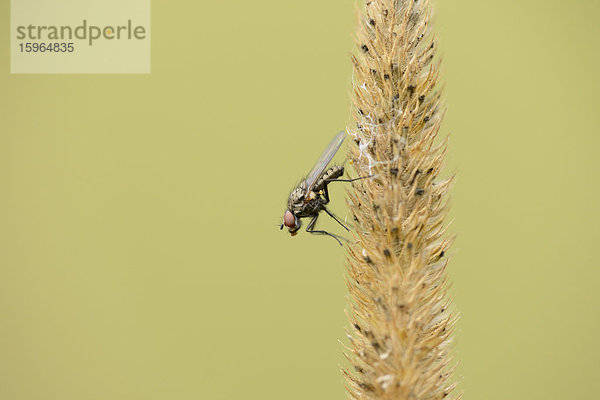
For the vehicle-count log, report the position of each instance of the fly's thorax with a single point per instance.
(297, 199)
(302, 204)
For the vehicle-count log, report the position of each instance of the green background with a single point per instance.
(139, 252)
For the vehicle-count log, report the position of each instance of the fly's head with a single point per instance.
(292, 222)
(295, 208)
(300, 205)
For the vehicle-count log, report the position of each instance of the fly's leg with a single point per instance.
(311, 224)
(348, 180)
(332, 215)
(326, 198)
(328, 181)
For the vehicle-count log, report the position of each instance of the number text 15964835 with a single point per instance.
(51, 47)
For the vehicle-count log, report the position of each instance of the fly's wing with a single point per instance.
(324, 160)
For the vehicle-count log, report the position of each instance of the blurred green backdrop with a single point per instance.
(139, 253)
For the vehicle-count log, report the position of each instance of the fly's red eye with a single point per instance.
(289, 219)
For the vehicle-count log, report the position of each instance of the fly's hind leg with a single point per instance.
(328, 181)
(332, 215)
(311, 224)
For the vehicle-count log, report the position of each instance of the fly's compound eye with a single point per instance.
(289, 219)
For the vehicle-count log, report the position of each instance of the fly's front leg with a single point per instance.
(311, 224)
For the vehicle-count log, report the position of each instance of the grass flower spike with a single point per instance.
(400, 314)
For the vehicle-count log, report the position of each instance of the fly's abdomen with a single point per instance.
(332, 173)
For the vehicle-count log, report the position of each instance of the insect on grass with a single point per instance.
(311, 196)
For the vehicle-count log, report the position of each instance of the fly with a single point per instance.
(311, 196)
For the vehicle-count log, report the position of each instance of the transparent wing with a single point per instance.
(324, 160)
